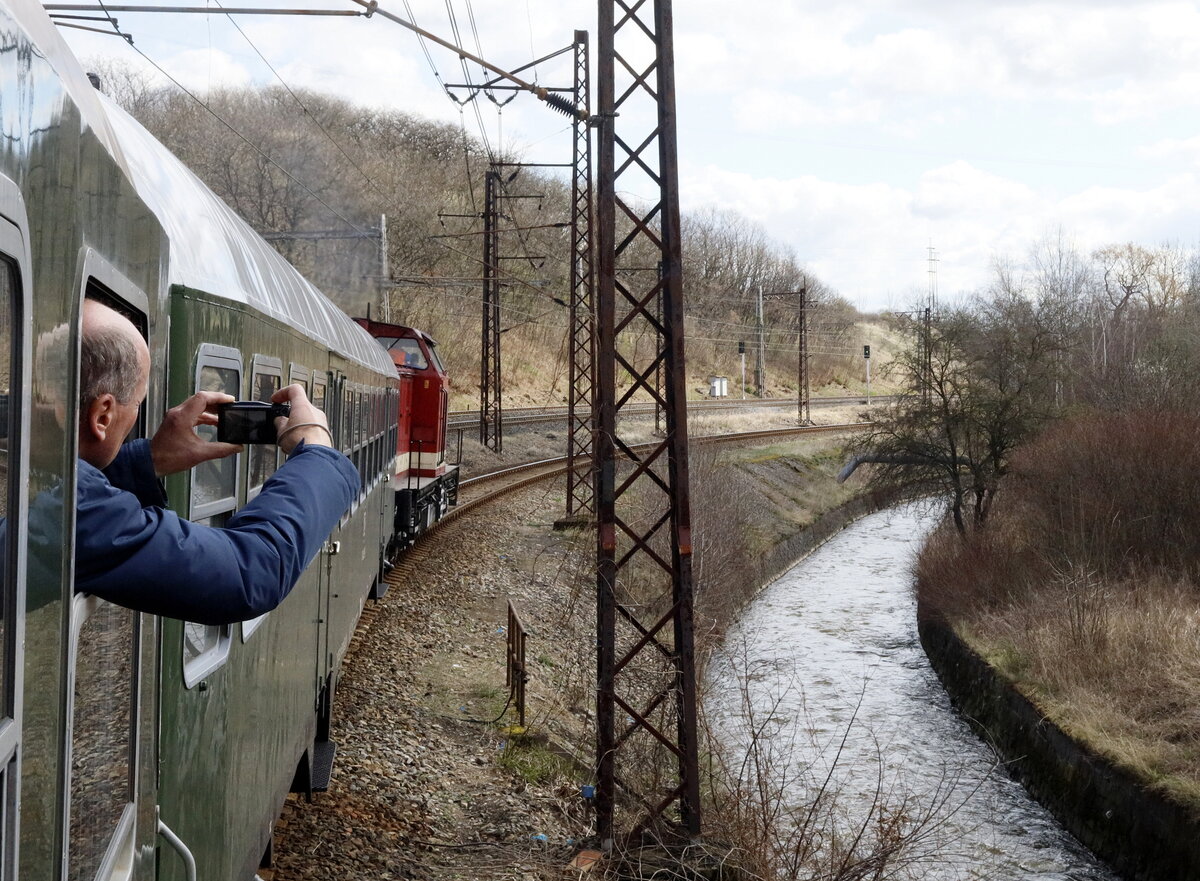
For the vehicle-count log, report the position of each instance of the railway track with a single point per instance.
(488, 487)
(534, 415)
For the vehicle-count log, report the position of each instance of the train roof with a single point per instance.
(214, 250)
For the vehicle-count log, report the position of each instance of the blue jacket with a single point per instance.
(133, 552)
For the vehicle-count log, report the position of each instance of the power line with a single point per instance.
(229, 125)
(303, 107)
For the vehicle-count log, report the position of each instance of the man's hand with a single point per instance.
(176, 447)
(306, 422)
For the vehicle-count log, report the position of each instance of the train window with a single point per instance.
(265, 379)
(103, 676)
(103, 709)
(410, 349)
(8, 416)
(12, 497)
(433, 353)
(213, 500)
(214, 484)
(298, 375)
(318, 393)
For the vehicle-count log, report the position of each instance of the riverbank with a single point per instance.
(1142, 833)
(1081, 595)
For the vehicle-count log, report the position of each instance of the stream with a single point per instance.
(827, 665)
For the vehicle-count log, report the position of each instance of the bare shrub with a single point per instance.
(724, 574)
(1114, 491)
(1083, 589)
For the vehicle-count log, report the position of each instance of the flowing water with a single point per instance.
(827, 664)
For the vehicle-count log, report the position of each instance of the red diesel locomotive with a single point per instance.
(426, 484)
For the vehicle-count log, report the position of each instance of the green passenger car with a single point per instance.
(134, 747)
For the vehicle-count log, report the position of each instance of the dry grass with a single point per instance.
(1084, 590)
(1117, 666)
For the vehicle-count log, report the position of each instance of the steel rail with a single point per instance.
(548, 468)
(533, 415)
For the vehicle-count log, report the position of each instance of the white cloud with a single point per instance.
(1184, 150)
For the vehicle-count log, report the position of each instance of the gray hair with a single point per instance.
(109, 364)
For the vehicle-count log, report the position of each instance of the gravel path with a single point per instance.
(420, 789)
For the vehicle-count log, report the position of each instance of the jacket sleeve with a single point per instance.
(133, 471)
(152, 560)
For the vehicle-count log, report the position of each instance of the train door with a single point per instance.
(110, 707)
(315, 383)
(14, 462)
(332, 390)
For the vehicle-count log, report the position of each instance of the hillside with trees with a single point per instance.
(297, 162)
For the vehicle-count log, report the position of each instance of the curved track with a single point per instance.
(533, 415)
(507, 480)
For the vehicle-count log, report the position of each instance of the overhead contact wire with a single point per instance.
(230, 126)
(301, 104)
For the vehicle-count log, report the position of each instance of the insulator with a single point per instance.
(561, 104)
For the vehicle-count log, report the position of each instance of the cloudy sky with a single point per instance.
(857, 134)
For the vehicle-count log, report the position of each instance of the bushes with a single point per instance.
(1114, 492)
(1084, 587)
(1100, 497)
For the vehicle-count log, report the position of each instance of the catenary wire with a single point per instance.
(231, 127)
(308, 113)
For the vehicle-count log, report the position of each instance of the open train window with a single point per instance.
(108, 286)
(103, 678)
(213, 499)
(13, 463)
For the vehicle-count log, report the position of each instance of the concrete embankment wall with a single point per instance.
(1140, 833)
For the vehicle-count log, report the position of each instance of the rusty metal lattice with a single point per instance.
(580, 403)
(491, 433)
(804, 381)
(647, 767)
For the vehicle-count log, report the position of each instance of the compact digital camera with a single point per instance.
(249, 422)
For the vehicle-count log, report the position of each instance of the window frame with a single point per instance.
(99, 278)
(119, 854)
(225, 357)
(195, 670)
(14, 251)
(298, 374)
(260, 365)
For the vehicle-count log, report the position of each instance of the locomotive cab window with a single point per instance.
(213, 500)
(433, 354)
